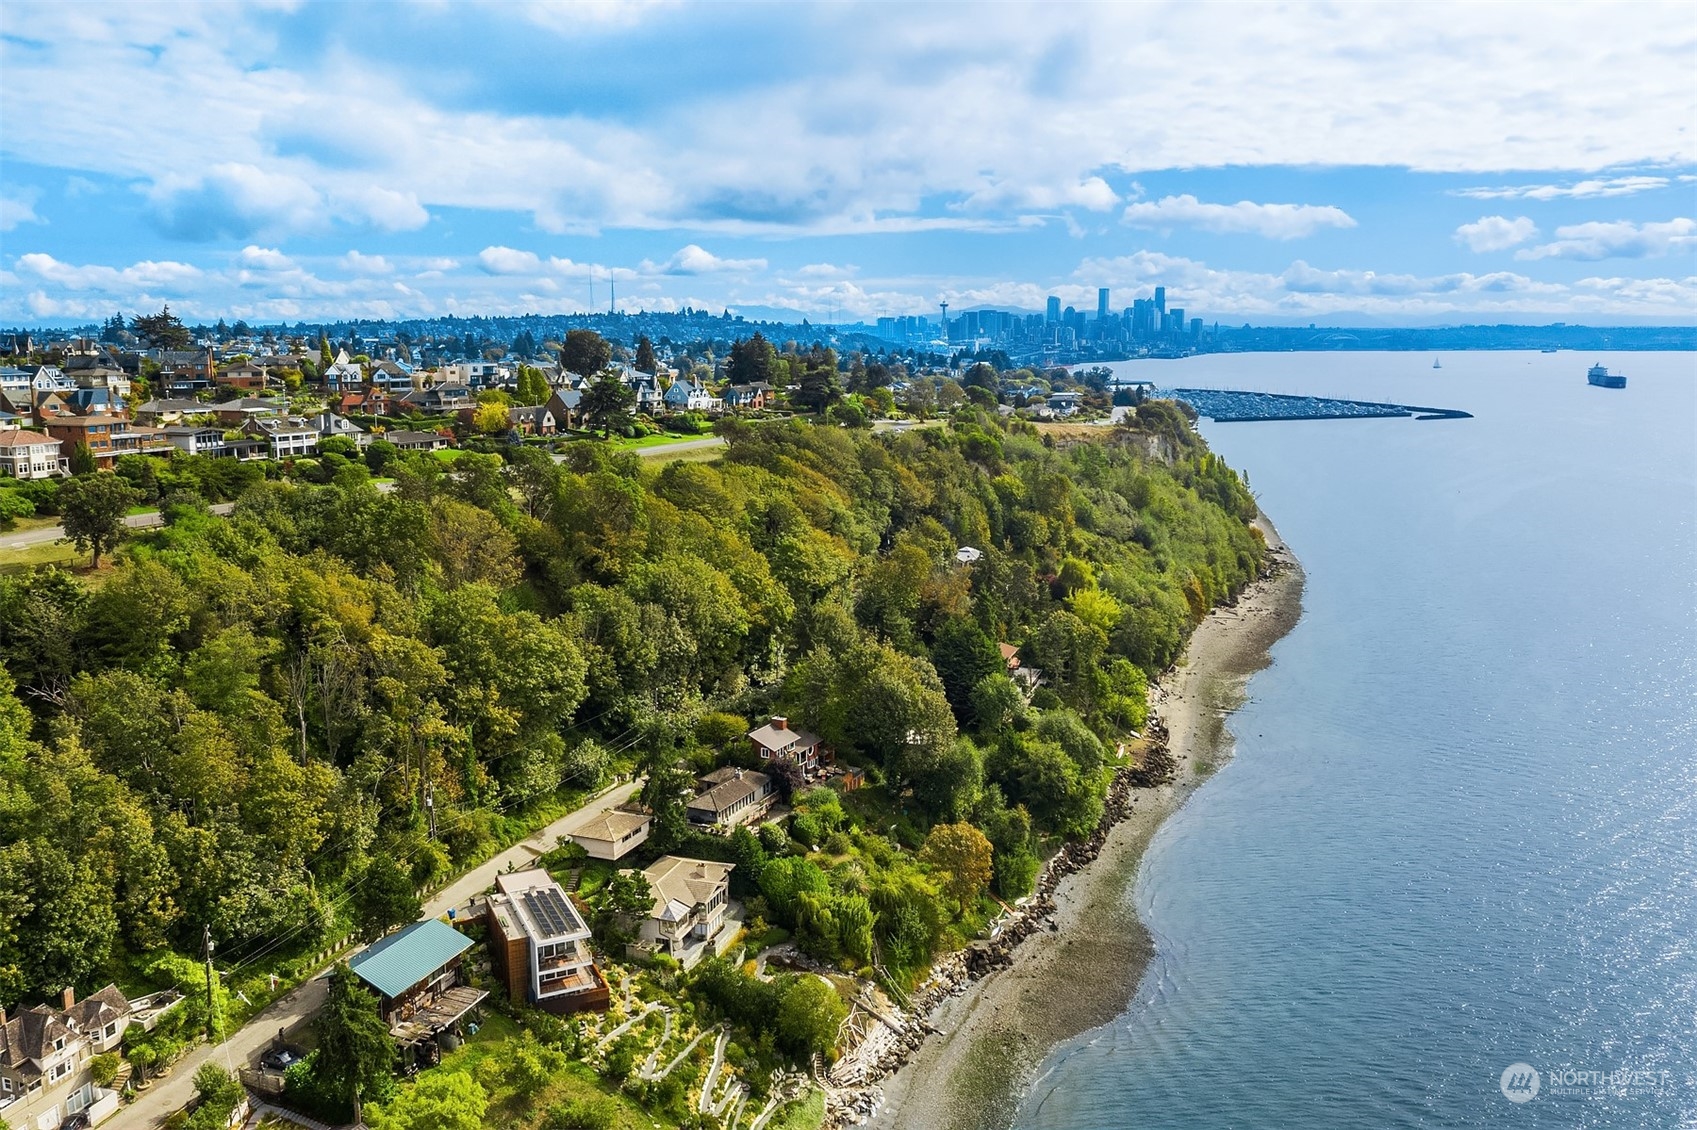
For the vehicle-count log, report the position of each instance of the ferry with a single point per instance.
(1602, 378)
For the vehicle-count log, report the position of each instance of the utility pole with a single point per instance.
(211, 1000)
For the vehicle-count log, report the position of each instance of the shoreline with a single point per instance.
(991, 1014)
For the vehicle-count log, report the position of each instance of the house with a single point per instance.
(99, 433)
(416, 973)
(647, 390)
(477, 374)
(328, 424)
(969, 555)
(48, 378)
(436, 398)
(1010, 656)
(1064, 403)
(730, 796)
(565, 408)
(30, 455)
(775, 741)
(243, 375)
(687, 396)
(372, 403)
(287, 437)
(748, 398)
(688, 919)
(390, 376)
(238, 412)
(1026, 677)
(157, 412)
(416, 441)
(197, 440)
(343, 374)
(613, 834)
(45, 1053)
(539, 946)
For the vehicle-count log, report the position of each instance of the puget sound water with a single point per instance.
(1459, 831)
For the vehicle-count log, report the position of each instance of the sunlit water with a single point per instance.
(1460, 828)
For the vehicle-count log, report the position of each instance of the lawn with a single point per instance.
(29, 557)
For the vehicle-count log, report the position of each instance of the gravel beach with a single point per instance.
(1082, 972)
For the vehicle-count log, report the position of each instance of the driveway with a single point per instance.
(173, 1093)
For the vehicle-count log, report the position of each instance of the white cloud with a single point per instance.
(1590, 189)
(249, 137)
(1621, 239)
(1496, 233)
(1275, 221)
(361, 264)
(697, 260)
(264, 259)
(509, 261)
(15, 210)
(146, 274)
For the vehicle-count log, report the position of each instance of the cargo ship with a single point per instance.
(1602, 378)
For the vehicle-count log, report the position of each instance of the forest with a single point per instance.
(268, 724)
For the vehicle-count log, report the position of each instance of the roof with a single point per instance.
(1008, 650)
(403, 959)
(540, 906)
(772, 738)
(26, 1039)
(613, 825)
(99, 1009)
(15, 437)
(727, 793)
(679, 883)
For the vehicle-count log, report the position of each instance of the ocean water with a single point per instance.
(1459, 831)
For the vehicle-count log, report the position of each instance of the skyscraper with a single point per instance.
(1054, 309)
(1101, 302)
(1160, 300)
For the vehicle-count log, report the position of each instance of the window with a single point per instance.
(5, 1086)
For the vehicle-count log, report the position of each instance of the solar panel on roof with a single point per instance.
(549, 910)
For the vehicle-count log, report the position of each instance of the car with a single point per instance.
(78, 1121)
(281, 1058)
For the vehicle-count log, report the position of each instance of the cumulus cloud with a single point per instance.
(146, 274)
(264, 259)
(386, 209)
(1496, 233)
(1621, 239)
(235, 201)
(1590, 189)
(694, 259)
(361, 264)
(509, 261)
(1275, 221)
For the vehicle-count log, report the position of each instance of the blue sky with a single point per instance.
(1397, 164)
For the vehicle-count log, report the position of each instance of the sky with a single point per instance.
(1267, 163)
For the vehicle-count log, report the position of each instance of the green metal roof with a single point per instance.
(403, 959)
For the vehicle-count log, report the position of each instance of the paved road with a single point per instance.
(173, 1093)
(26, 538)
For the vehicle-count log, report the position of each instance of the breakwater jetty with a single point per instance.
(1228, 406)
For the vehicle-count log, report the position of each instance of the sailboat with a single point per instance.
(1437, 364)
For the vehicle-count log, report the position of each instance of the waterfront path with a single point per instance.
(174, 1092)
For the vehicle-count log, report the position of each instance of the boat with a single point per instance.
(1602, 378)
(1437, 364)
(1546, 351)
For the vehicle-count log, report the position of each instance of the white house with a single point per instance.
(30, 455)
(539, 945)
(688, 919)
(687, 396)
(44, 1060)
(612, 834)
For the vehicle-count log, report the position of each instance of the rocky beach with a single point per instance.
(1069, 958)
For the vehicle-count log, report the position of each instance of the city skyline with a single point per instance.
(310, 161)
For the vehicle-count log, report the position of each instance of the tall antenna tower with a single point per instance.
(945, 307)
(612, 294)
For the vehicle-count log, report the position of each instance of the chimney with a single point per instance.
(67, 999)
(779, 722)
(739, 772)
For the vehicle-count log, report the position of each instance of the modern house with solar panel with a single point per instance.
(417, 975)
(539, 946)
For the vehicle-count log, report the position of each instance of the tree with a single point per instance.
(646, 362)
(809, 1015)
(355, 1054)
(585, 353)
(607, 402)
(163, 330)
(440, 1100)
(750, 361)
(92, 512)
(81, 461)
(386, 897)
(490, 419)
(965, 853)
(963, 655)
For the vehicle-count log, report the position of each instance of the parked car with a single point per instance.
(78, 1121)
(280, 1059)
